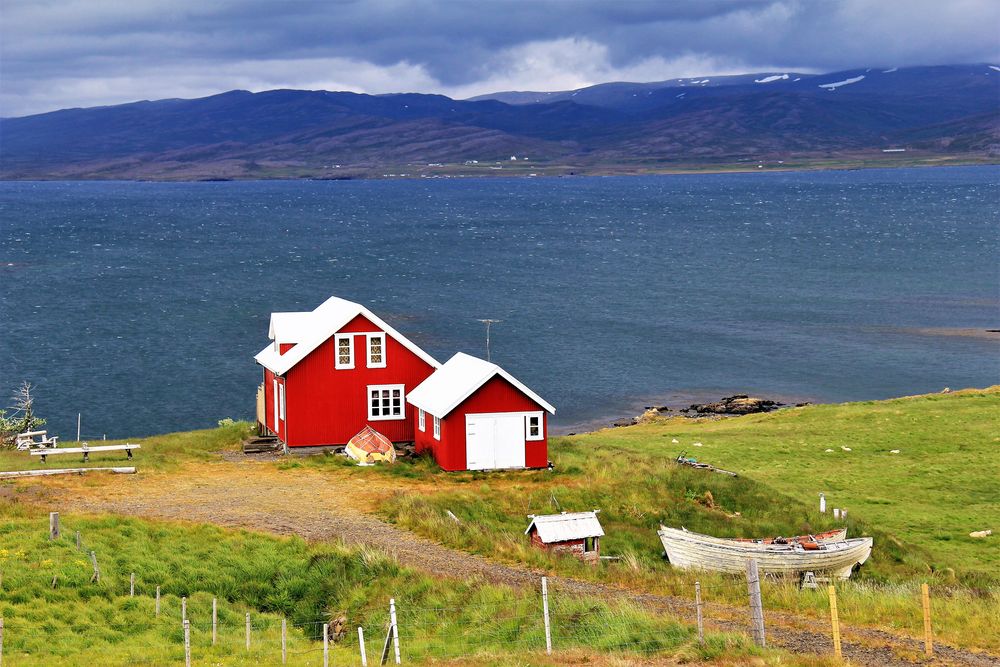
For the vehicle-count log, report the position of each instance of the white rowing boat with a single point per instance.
(687, 550)
(837, 535)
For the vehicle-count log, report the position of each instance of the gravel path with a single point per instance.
(258, 496)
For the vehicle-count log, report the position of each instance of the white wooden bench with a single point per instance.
(86, 450)
(34, 439)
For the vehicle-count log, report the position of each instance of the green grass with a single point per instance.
(78, 621)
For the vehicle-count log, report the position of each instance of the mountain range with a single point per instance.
(865, 116)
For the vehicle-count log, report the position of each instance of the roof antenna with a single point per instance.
(488, 322)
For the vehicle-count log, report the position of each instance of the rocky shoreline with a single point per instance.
(729, 406)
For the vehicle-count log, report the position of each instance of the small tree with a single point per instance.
(22, 416)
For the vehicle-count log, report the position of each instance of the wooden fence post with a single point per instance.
(361, 645)
(697, 603)
(248, 631)
(215, 621)
(1, 641)
(835, 620)
(157, 600)
(395, 627)
(545, 615)
(184, 609)
(284, 645)
(78, 540)
(326, 645)
(53, 525)
(131, 585)
(928, 636)
(187, 643)
(96, 577)
(756, 607)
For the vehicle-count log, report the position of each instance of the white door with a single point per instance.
(494, 441)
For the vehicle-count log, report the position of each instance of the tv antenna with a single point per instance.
(488, 322)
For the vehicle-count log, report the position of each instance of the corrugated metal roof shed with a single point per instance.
(566, 526)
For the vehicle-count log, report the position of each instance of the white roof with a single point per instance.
(309, 330)
(454, 382)
(566, 526)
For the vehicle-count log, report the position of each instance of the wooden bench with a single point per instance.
(35, 439)
(87, 449)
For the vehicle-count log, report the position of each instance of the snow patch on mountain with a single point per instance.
(845, 82)
(769, 79)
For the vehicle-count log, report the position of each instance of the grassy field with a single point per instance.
(55, 615)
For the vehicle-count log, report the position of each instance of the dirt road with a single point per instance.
(307, 503)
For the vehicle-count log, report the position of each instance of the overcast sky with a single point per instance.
(66, 53)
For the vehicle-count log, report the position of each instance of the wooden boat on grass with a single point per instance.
(369, 446)
(837, 535)
(687, 550)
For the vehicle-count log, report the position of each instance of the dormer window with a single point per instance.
(376, 350)
(344, 351)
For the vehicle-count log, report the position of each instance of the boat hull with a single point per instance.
(688, 550)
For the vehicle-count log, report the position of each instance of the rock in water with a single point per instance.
(740, 404)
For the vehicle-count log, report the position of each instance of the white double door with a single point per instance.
(494, 440)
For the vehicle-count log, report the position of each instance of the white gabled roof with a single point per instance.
(566, 526)
(309, 330)
(454, 382)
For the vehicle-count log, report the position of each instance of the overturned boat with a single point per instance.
(369, 446)
(687, 550)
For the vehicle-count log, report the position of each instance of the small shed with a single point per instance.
(576, 533)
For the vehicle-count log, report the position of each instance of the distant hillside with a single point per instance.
(703, 122)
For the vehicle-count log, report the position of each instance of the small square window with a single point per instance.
(533, 426)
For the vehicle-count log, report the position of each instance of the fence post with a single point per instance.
(248, 631)
(1, 641)
(78, 540)
(215, 621)
(395, 627)
(326, 645)
(756, 608)
(928, 637)
(131, 585)
(96, 577)
(284, 649)
(835, 619)
(157, 600)
(187, 643)
(184, 609)
(53, 525)
(545, 614)
(697, 603)
(361, 644)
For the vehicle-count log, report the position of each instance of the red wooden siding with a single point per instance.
(497, 395)
(326, 406)
(279, 428)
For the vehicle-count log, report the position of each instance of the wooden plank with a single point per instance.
(10, 474)
(82, 450)
(928, 635)
(835, 620)
(53, 525)
(756, 607)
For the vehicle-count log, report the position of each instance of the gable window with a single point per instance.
(421, 421)
(533, 426)
(437, 428)
(376, 350)
(345, 351)
(386, 401)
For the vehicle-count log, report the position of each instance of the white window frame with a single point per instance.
(281, 401)
(368, 348)
(336, 351)
(274, 394)
(528, 416)
(437, 428)
(421, 420)
(390, 388)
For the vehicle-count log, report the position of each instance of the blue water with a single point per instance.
(141, 305)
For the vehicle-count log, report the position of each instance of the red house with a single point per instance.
(330, 372)
(473, 415)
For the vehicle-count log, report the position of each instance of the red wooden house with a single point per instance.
(332, 371)
(473, 415)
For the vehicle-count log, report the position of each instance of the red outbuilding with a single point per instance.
(332, 371)
(473, 415)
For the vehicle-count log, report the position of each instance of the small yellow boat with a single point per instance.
(369, 446)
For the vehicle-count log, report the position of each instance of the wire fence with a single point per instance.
(550, 618)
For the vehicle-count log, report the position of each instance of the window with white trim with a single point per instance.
(421, 420)
(437, 428)
(344, 351)
(376, 350)
(533, 426)
(274, 397)
(386, 401)
(281, 401)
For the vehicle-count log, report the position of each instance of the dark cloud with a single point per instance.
(78, 52)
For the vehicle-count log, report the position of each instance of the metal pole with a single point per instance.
(78, 415)
(545, 613)
(361, 644)
(395, 627)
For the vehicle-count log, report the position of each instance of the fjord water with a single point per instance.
(141, 305)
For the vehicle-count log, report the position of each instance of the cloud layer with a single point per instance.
(62, 53)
